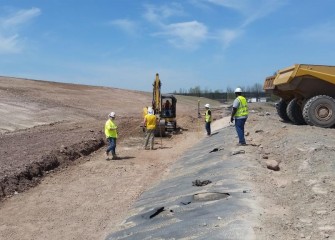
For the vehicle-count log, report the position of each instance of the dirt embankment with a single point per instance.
(47, 126)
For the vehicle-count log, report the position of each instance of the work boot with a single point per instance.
(106, 156)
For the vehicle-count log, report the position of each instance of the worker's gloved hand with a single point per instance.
(231, 119)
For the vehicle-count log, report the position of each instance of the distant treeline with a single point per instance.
(256, 91)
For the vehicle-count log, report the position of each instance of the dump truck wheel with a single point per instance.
(320, 111)
(281, 110)
(294, 112)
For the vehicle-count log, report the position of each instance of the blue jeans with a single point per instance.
(239, 126)
(112, 145)
(208, 128)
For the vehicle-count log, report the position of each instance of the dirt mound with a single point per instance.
(50, 147)
(29, 177)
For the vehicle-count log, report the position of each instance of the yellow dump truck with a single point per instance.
(307, 94)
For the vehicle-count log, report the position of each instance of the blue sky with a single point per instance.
(213, 44)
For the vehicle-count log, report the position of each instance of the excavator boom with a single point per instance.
(156, 98)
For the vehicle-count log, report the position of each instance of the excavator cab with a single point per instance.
(168, 111)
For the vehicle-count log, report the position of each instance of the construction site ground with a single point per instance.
(56, 184)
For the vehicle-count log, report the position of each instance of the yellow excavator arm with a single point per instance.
(156, 98)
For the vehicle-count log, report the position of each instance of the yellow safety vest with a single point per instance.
(242, 108)
(208, 117)
(150, 120)
(110, 129)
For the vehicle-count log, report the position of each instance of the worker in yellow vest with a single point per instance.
(150, 123)
(208, 119)
(240, 114)
(111, 135)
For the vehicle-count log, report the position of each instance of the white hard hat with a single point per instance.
(150, 111)
(207, 105)
(238, 90)
(112, 115)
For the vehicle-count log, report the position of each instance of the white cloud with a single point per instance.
(125, 25)
(156, 14)
(20, 17)
(9, 28)
(262, 10)
(190, 34)
(185, 35)
(227, 36)
(251, 9)
(9, 44)
(240, 5)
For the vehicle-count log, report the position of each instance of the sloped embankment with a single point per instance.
(32, 174)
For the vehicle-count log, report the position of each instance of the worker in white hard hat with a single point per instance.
(111, 133)
(145, 110)
(150, 123)
(208, 119)
(240, 114)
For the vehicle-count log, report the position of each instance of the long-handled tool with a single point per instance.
(160, 133)
(199, 116)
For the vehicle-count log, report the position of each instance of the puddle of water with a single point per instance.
(210, 196)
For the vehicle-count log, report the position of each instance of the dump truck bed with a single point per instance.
(307, 94)
(302, 79)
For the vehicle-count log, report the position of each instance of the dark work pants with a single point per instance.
(208, 128)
